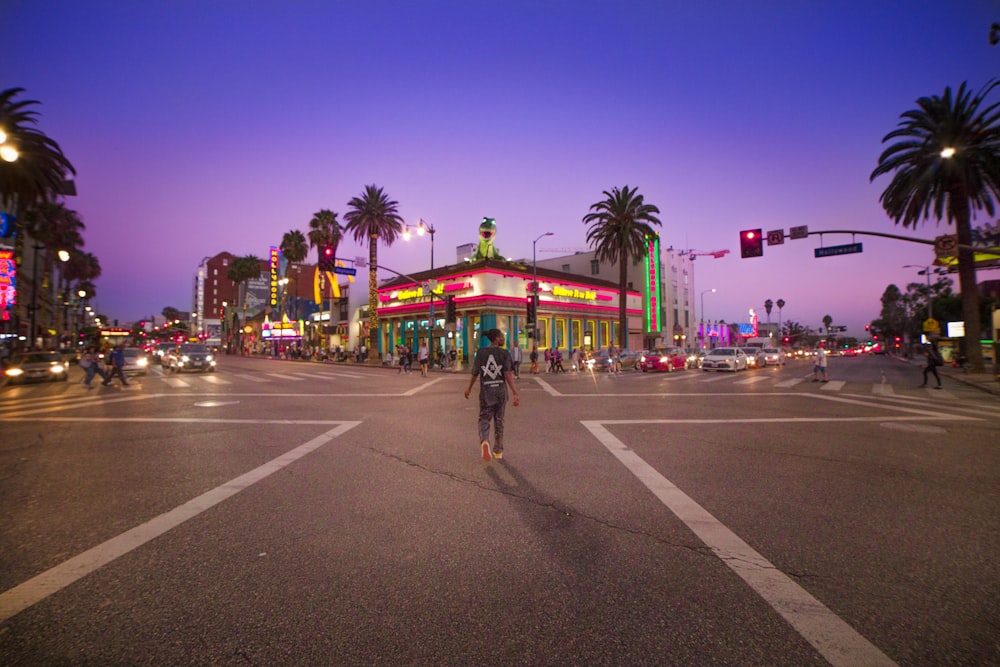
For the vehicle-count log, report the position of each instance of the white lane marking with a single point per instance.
(880, 389)
(839, 643)
(214, 379)
(176, 382)
(549, 389)
(719, 375)
(250, 378)
(784, 384)
(421, 387)
(38, 588)
(833, 385)
(328, 374)
(14, 415)
(752, 379)
(283, 376)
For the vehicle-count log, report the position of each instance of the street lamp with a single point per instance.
(534, 289)
(7, 151)
(703, 293)
(926, 271)
(281, 302)
(425, 228)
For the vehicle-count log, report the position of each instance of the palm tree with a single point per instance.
(768, 305)
(40, 171)
(324, 230)
(373, 216)
(295, 249)
(243, 270)
(51, 226)
(620, 228)
(947, 162)
(780, 303)
(827, 323)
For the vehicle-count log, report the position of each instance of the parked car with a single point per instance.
(161, 349)
(189, 357)
(773, 356)
(725, 359)
(37, 366)
(666, 359)
(136, 361)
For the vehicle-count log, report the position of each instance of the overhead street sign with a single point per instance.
(345, 271)
(833, 250)
(800, 232)
(776, 237)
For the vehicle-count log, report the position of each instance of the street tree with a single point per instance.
(620, 226)
(373, 217)
(946, 163)
(295, 248)
(39, 173)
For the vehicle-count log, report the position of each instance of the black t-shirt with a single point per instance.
(490, 364)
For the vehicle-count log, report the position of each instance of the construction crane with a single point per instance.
(695, 254)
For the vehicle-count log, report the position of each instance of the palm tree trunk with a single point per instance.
(372, 297)
(967, 283)
(622, 299)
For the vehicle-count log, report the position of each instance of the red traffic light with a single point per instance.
(752, 243)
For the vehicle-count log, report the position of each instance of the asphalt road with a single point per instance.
(287, 513)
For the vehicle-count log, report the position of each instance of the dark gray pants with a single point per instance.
(492, 413)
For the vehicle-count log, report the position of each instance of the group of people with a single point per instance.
(114, 361)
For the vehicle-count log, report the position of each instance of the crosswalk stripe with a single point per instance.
(250, 378)
(215, 379)
(716, 378)
(882, 389)
(833, 385)
(283, 376)
(789, 383)
(752, 379)
(177, 383)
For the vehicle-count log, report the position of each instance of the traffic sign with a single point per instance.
(776, 237)
(799, 232)
(931, 326)
(345, 271)
(832, 250)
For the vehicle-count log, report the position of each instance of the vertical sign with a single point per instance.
(652, 300)
(275, 256)
(8, 280)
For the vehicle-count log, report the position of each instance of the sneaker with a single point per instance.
(486, 451)
(938, 387)
(498, 455)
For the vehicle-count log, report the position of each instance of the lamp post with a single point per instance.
(534, 289)
(426, 228)
(703, 293)
(926, 270)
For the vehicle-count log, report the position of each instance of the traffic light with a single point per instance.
(752, 243)
(326, 258)
(532, 310)
(450, 311)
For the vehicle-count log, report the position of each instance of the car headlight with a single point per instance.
(664, 360)
(208, 358)
(184, 359)
(57, 369)
(14, 372)
(142, 362)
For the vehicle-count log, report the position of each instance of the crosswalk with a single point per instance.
(201, 380)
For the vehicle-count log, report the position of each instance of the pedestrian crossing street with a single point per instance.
(201, 380)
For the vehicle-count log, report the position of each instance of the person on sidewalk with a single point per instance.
(516, 357)
(423, 357)
(934, 359)
(494, 368)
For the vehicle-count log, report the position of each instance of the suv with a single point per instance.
(161, 350)
(189, 357)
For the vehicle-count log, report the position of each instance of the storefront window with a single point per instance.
(577, 339)
(560, 333)
(543, 334)
(605, 338)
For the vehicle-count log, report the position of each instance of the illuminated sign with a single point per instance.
(651, 304)
(586, 295)
(275, 260)
(8, 279)
(283, 329)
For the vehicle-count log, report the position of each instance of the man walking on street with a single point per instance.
(819, 368)
(516, 356)
(117, 366)
(494, 368)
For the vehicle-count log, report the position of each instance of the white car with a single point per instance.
(773, 356)
(725, 359)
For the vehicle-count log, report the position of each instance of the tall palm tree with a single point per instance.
(243, 270)
(780, 303)
(619, 228)
(827, 323)
(324, 230)
(947, 163)
(52, 227)
(371, 217)
(295, 249)
(39, 173)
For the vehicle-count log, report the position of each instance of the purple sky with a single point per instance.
(199, 127)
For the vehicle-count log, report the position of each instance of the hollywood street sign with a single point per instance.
(832, 250)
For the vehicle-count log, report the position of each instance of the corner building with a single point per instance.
(573, 311)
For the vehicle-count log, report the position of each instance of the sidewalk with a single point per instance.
(985, 381)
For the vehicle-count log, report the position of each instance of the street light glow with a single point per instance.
(8, 153)
(947, 152)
